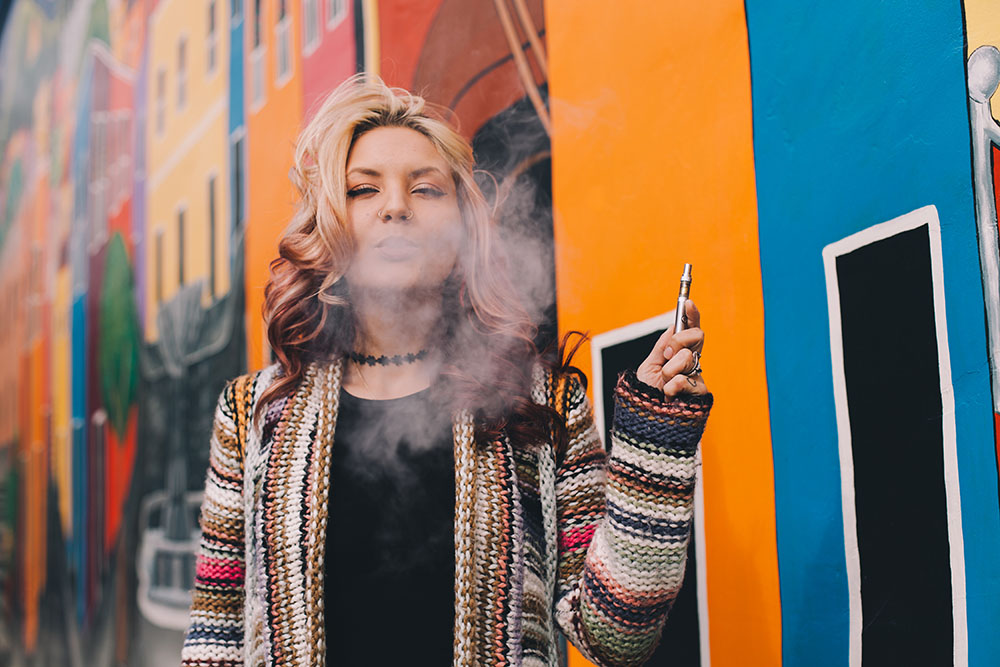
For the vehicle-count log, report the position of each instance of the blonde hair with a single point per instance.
(306, 307)
(318, 229)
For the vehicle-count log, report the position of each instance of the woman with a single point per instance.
(468, 508)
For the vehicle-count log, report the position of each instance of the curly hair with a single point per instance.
(486, 331)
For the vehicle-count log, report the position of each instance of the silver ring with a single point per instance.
(408, 214)
(696, 356)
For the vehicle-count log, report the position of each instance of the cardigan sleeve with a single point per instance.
(624, 519)
(215, 635)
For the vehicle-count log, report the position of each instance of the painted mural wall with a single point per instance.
(831, 170)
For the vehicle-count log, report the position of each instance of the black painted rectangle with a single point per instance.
(894, 403)
(680, 645)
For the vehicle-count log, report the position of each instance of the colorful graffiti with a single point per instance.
(813, 162)
(145, 151)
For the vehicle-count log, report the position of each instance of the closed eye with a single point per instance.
(428, 191)
(361, 190)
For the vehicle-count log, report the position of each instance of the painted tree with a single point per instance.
(118, 352)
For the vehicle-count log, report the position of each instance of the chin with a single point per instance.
(396, 280)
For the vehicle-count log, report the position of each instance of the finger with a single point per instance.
(683, 384)
(677, 386)
(682, 362)
(662, 341)
(693, 314)
(689, 338)
(658, 354)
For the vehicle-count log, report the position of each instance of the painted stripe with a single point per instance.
(702, 572)
(373, 60)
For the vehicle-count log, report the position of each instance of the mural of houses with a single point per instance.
(329, 52)
(187, 149)
(274, 104)
(144, 155)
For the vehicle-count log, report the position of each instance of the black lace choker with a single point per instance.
(395, 360)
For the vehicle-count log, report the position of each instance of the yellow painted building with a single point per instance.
(186, 235)
(60, 368)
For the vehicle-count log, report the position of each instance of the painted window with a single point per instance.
(117, 152)
(158, 264)
(336, 10)
(895, 409)
(211, 235)
(127, 155)
(310, 25)
(236, 165)
(180, 246)
(98, 179)
(121, 165)
(257, 25)
(257, 58)
(283, 51)
(181, 73)
(212, 39)
(161, 100)
(127, 158)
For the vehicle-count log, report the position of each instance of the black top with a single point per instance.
(390, 563)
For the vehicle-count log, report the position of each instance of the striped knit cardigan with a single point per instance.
(592, 544)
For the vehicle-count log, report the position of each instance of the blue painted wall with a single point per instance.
(236, 112)
(78, 335)
(859, 117)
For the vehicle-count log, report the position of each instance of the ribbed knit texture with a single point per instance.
(624, 525)
(600, 541)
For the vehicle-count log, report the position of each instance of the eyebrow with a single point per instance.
(365, 171)
(416, 173)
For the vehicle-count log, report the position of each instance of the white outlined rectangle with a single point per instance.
(923, 216)
(623, 335)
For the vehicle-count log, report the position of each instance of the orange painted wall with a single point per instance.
(653, 167)
(271, 133)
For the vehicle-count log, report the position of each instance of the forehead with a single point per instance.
(388, 148)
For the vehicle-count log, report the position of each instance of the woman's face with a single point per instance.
(402, 208)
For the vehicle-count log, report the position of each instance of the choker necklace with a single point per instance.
(396, 359)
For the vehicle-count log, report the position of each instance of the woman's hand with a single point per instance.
(673, 365)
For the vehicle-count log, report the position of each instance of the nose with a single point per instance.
(396, 207)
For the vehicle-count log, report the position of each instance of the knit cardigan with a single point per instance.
(591, 543)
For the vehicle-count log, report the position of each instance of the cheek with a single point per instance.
(456, 240)
(360, 222)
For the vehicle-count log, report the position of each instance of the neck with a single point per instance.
(394, 323)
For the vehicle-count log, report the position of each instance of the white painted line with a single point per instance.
(700, 551)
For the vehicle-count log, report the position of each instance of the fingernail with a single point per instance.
(668, 352)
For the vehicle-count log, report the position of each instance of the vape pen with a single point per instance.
(682, 298)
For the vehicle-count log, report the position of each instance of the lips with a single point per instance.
(395, 248)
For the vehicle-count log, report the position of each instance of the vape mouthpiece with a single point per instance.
(679, 320)
(686, 281)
